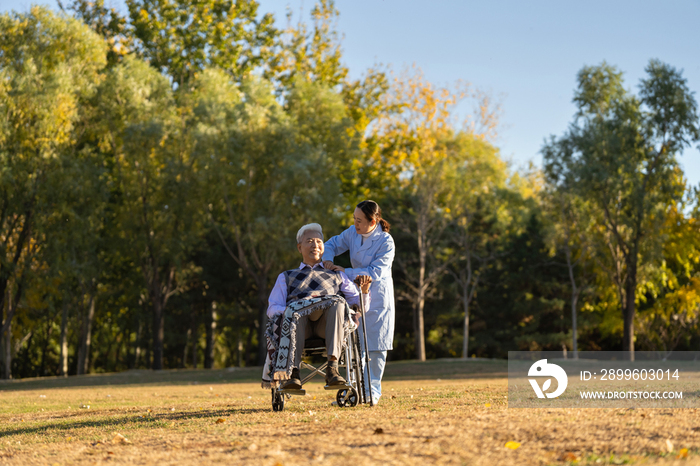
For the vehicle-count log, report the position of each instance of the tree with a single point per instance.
(476, 178)
(572, 230)
(410, 156)
(313, 56)
(620, 154)
(156, 166)
(271, 170)
(673, 296)
(181, 38)
(49, 65)
(106, 22)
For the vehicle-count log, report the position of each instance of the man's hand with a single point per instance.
(363, 281)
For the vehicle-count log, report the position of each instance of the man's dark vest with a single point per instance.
(311, 282)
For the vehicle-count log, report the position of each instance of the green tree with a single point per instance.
(156, 164)
(107, 22)
(411, 154)
(620, 154)
(271, 170)
(478, 215)
(183, 37)
(49, 65)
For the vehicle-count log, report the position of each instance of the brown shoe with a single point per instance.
(333, 377)
(294, 382)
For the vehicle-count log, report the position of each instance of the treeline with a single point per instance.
(155, 168)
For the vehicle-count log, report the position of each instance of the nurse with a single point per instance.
(371, 253)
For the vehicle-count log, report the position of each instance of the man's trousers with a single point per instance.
(326, 324)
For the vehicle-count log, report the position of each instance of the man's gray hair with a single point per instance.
(309, 227)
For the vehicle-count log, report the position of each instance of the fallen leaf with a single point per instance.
(568, 456)
(378, 430)
(120, 439)
(669, 445)
(220, 421)
(512, 445)
(682, 454)
(488, 405)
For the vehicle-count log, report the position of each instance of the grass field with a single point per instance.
(439, 412)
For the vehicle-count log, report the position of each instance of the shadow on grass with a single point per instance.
(139, 377)
(395, 370)
(135, 420)
(446, 369)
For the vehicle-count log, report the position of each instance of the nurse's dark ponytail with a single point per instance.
(373, 212)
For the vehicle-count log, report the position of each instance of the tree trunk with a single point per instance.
(158, 333)
(137, 344)
(86, 339)
(64, 340)
(194, 340)
(7, 353)
(420, 326)
(240, 350)
(574, 301)
(186, 348)
(250, 356)
(629, 311)
(263, 294)
(574, 304)
(45, 348)
(10, 305)
(211, 339)
(465, 302)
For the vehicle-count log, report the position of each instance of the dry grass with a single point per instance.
(438, 413)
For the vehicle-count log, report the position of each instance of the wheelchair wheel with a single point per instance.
(351, 400)
(277, 401)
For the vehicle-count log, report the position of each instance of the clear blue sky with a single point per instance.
(527, 52)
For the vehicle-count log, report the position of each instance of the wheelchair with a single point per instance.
(349, 395)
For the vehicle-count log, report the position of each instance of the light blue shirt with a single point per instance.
(374, 258)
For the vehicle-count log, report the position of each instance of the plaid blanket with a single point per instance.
(281, 336)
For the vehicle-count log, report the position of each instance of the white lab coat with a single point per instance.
(373, 258)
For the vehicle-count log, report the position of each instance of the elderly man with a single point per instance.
(312, 280)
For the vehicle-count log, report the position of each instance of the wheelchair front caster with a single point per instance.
(277, 401)
(347, 397)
